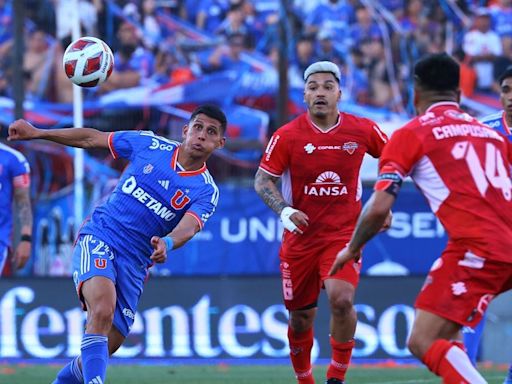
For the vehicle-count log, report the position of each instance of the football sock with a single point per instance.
(94, 358)
(472, 338)
(447, 360)
(508, 379)
(300, 355)
(340, 360)
(70, 374)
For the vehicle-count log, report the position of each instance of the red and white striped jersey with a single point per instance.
(320, 173)
(462, 167)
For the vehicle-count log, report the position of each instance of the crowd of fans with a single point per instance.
(373, 42)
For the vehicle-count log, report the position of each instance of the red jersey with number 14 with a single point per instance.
(462, 167)
(320, 173)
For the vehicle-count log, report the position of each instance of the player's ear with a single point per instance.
(185, 131)
(221, 143)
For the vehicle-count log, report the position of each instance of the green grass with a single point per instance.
(226, 374)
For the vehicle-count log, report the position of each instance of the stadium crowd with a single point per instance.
(374, 43)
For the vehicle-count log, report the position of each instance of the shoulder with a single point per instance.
(209, 185)
(493, 120)
(11, 153)
(358, 121)
(292, 126)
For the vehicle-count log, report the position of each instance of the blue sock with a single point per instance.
(94, 358)
(472, 340)
(70, 374)
(508, 380)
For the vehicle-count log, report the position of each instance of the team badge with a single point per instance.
(350, 147)
(148, 169)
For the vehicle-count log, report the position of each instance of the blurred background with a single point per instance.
(222, 290)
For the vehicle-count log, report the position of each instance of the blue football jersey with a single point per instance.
(498, 122)
(152, 195)
(12, 164)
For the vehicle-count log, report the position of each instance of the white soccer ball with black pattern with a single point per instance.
(88, 61)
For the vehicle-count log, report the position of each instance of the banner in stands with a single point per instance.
(243, 237)
(207, 319)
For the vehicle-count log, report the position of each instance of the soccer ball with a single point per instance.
(88, 61)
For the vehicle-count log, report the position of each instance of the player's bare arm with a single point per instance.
(266, 187)
(73, 137)
(375, 213)
(24, 210)
(184, 231)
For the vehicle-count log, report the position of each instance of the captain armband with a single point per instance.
(389, 181)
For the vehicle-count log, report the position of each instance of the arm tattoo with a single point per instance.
(265, 186)
(23, 209)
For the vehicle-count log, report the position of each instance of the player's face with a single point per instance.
(202, 136)
(321, 94)
(506, 95)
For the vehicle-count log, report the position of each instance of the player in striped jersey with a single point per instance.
(14, 185)
(162, 200)
(502, 122)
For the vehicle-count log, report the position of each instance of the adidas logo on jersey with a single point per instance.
(164, 183)
(96, 380)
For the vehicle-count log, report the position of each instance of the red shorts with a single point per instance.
(460, 285)
(303, 274)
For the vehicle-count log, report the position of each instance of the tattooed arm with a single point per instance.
(266, 187)
(23, 209)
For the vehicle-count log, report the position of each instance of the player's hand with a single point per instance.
(342, 257)
(22, 130)
(387, 222)
(159, 254)
(294, 220)
(22, 254)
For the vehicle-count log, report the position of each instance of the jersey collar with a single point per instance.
(179, 169)
(443, 104)
(316, 127)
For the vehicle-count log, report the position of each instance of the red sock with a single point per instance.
(340, 360)
(447, 360)
(300, 355)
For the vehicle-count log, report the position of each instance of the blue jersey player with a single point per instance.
(14, 185)
(163, 199)
(502, 122)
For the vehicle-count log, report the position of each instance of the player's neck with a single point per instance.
(189, 163)
(325, 122)
(508, 119)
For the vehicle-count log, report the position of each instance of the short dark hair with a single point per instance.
(213, 112)
(437, 72)
(505, 75)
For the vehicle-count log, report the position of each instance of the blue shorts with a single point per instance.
(93, 257)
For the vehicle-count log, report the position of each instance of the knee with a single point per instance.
(100, 316)
(415, 345)
(300, 322)
(340, 305)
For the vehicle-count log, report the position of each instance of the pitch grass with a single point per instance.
(240, 374)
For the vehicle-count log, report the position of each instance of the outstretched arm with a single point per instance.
(266, 188)
(73, 137)
(374, 216)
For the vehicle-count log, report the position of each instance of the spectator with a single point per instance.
(210, 14)
(335, 15)
(228, 57)
(326, 50)
(364, 28)
(304, 56)
(133, 65)
(38, 63)
(482, 46)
